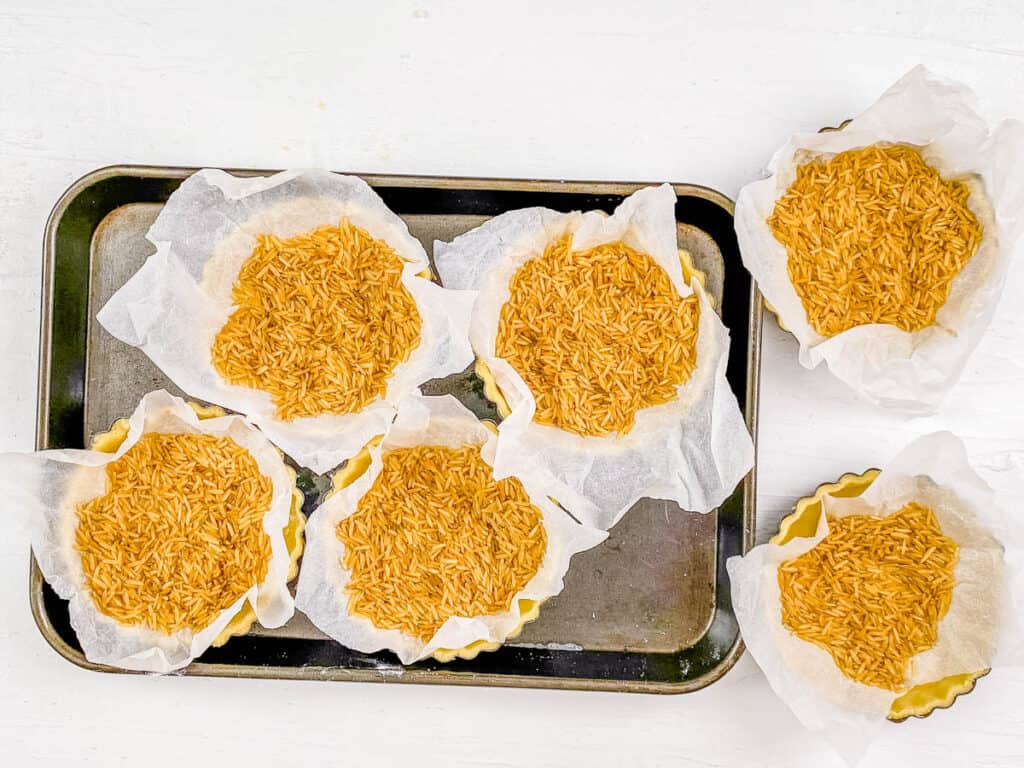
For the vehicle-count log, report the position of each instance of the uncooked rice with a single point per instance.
(874, 235)
(322, 321)
(597, 335)
(178, 536)
(872, 592)
(436, 536)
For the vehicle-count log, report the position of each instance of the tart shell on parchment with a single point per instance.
(910, 368)
(688, 442)
(299, 299)
(203, 492)
(241, 622)
(529, 609)
(323, 593)
(921, 700)
(841, 647)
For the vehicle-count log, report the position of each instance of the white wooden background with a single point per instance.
(699, 91)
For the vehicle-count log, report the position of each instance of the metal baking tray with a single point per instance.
(649, 610)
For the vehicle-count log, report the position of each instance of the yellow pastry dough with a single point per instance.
(529, 609)
(921, 700)
(241, 622)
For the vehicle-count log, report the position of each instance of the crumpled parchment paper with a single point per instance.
(321, 590)
(980, 630)
(173, 307)
(49, 485)
(886, 365)
(693, 450)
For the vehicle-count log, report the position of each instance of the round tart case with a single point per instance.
(693, 449)
(52, 484)
(322, 594)
(977, 632)
(241, 622)
(923, 699)
(175, 306)
(912, 371)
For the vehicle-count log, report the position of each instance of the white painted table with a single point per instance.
(698, 91)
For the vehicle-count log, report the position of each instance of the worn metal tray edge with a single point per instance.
(378, 179)
(405, 675)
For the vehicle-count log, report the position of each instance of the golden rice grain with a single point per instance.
(178, 536)
(872, 592)
(597, 335)
(322, 321)
(436, 536)
(874, 235)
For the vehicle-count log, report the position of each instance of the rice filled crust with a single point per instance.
(872, 592)
(437, 537)
(597, 335)
(874, 235)
(322, 321)
(178, 535)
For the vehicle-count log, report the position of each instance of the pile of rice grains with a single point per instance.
(178, 536)
(874, 235)
(322, 321)
(872, 592)
(436, 536)
(597, 335)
